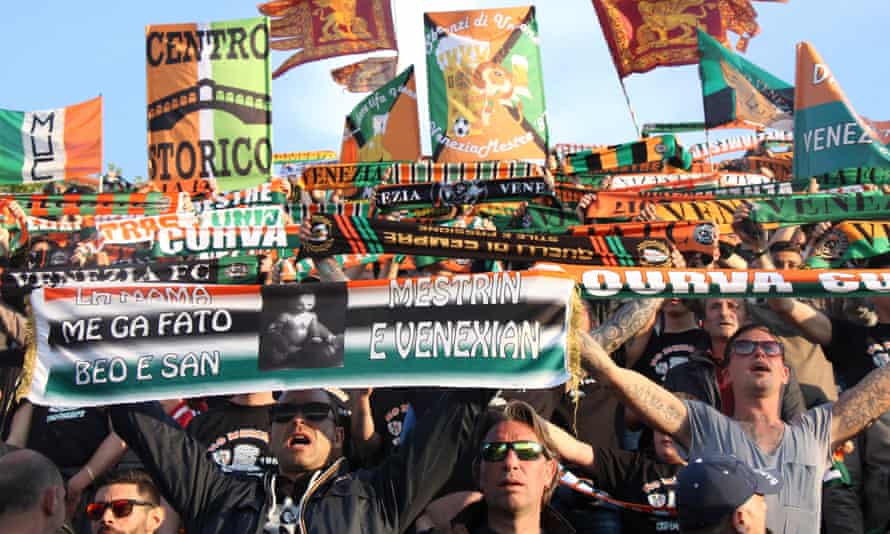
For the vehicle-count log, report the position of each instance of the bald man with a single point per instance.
(32, 494)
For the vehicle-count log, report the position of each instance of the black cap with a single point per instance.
(709, 489)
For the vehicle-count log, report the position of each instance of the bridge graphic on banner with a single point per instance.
(250, 107)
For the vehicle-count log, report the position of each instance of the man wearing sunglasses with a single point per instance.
(314, 489)
(517, 472)
(126, 503)
(755, 434)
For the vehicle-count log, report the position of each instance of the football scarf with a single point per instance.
(694, 236)
(661, 148)
(437, 194)
(804, 209)
(357, 235)
(428, 171)
(849, 241)
(231, 270)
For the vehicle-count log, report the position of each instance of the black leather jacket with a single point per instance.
(386, 499)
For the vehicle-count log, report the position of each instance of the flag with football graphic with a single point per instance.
(486, 87)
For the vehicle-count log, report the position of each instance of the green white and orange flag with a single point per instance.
(486, 87)
(828, 133)
(209, 106)
(384, 126)
(53, 144)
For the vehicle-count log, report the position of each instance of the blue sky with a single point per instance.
(58, 52)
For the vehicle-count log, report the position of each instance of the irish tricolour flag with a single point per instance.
(54, 144)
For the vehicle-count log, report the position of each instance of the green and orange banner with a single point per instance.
(53, 144)
(486, 87)
(209, 105)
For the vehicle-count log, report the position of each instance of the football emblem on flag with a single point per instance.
(461, 127)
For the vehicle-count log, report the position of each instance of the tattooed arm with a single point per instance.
(625, 323)
(860, 405)
(659, 408)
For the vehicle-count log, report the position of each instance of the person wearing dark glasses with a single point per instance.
(517, 471)
(126, 503)
(32, 494)
(756, 434)
(314, 489)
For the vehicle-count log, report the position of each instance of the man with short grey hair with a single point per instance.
(32, 494)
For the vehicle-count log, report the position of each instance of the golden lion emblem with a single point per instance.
(342, 22)
(663, 17)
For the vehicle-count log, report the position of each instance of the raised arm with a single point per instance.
(861, 405)
(407, 481)
(625, 323)
(659, 408)
(814, 325)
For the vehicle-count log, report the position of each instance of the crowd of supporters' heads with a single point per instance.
(517, 467)
(127, 503)
(306, 431)
(32, 493)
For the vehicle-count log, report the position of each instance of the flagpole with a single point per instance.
(633, 115)
(708, 150)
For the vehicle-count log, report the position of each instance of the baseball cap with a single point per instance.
(711, 488)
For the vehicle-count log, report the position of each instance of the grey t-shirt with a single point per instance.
(801, 459)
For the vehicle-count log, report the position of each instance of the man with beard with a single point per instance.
(756, 434)
(126, 503)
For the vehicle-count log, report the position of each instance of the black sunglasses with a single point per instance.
(745, 347)
(119, 507)
(496, 451)
(311, 411)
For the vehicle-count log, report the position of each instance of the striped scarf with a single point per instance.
(357, 235)
(427, 171)
(664, 148)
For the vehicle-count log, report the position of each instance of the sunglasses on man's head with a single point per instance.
(745, 347)
(311, 411)
(496, 451)
(119, 507)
